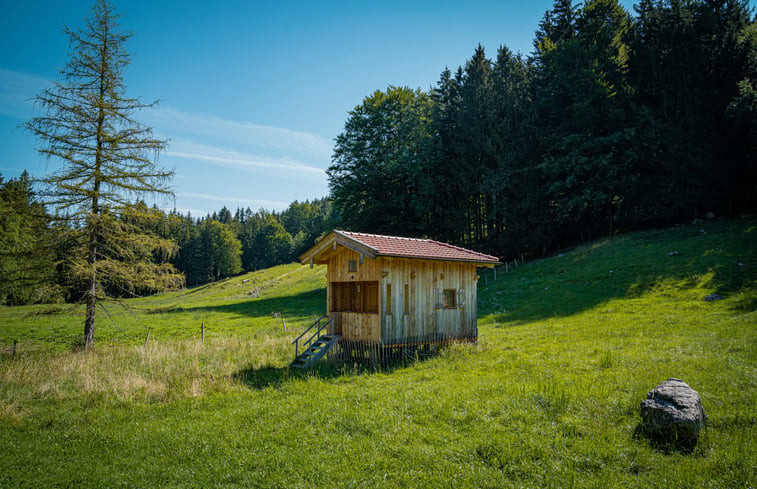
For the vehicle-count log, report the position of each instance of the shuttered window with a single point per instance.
(450, 299)
(355, 297)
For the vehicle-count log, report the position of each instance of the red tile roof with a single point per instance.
(417, 248)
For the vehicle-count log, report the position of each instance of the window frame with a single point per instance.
(446, 295)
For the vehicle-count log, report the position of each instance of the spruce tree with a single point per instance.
(27, 245)
(107, 161)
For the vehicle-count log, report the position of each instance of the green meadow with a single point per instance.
(548, 397)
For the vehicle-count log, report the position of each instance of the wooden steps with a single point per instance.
(316, 351)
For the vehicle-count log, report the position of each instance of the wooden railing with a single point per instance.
(319, 326)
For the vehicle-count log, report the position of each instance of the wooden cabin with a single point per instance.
(389, 290)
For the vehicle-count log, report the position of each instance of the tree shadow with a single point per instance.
(299, 305)
(261, 378)
(276, 377)
(582, 280)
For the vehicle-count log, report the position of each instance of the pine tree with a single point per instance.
(582, 96)
(89, 126)
(27, 270)
(440, 205)
(512, 185)
(475, 123)
(689, 62)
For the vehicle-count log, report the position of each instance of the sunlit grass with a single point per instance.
(293, 291)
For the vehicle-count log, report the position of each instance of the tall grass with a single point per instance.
(155, 373)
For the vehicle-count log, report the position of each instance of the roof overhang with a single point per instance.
(479, 263)
(322, 251)
(327, 247)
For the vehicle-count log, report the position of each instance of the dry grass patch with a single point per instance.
(157, 372)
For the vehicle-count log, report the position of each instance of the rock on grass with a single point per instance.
(672, 414)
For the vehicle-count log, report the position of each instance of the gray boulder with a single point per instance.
(673, 414)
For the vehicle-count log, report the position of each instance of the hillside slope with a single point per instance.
(549, 397)
(684, 263)
(252, 302)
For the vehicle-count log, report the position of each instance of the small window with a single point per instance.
(388, 305)
(407, 299)
(352, 266)
(450, 299)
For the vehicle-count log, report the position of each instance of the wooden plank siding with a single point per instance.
(421, 281)
(338, 267)
(361, 326)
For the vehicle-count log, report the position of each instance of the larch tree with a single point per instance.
(108, 160)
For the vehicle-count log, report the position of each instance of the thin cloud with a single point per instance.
(268, 138)
(180, 148)
(273, 153)
(187, 210)
(17, 91)
(235, 200)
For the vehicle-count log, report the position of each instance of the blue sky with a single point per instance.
(252, 93)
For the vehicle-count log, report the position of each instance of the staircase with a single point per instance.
(319, 343)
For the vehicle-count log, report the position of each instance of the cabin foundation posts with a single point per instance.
(378, 355)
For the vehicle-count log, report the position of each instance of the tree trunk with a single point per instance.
(89, 319)
(94, 221)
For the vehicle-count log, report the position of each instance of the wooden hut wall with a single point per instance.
(418, 316)
(352, 325)
(412, 313)
(360, 326)
(338, 268)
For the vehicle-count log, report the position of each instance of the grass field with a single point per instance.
(549, 397)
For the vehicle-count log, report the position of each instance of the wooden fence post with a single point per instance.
(15, 342)
(283, 321)
(147, 337)
(202, 331)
